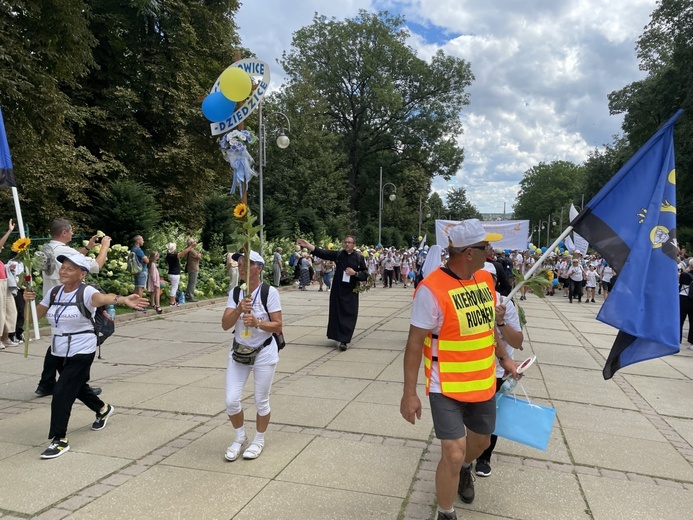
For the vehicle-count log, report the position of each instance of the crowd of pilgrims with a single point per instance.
(574, 275)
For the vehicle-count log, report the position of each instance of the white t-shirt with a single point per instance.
(270, 354)
(607, 274)
(66, 319)
(591, 278)
(512, 320)
(427, 314)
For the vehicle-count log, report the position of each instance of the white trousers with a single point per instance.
(236, 377)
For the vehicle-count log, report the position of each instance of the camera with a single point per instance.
(98, 240)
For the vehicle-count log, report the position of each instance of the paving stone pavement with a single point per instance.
(337, 446)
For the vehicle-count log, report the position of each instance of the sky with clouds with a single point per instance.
(543, 70)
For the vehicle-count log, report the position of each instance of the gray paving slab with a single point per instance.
(628, 454)
(584, 386)
(553, 337)
(290, 501)
(30, 484)
(564, 355)
(356, 466)
(522, 492)
(625, 500)
(668, 396)
(302, 411)
(165, 492)
(380, 419)
(325, 387)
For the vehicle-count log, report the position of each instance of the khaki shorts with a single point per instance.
(451, 418)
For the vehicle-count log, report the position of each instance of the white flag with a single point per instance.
(580, 243)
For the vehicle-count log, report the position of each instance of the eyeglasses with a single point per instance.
(349, 242)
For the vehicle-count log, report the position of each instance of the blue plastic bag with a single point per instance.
(524, 422)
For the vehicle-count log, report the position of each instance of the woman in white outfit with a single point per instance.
(254, 326)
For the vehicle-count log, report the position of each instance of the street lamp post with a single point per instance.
(535, 228)
(282, 142)
(428, 214)
(392, 197)
(549, 223)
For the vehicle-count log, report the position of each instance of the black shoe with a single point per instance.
(102, 418)
(593, 300)
(343, 346)
(483, 468)
(465, 489)
(191, 300)
(96, 390)
(446, 516)
(56, 449)
(42, 392)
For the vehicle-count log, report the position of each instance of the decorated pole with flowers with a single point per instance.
(232, 98)
(21, 247)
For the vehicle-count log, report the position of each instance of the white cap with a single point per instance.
(78, 259)
(470, 232)
(254, 257)
(488, 266)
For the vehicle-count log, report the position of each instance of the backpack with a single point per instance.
(133, 265)
(292, 261)
(264, 294)
(46, 258)
(104, 326)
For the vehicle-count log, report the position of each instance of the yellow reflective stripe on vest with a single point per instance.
(456, 387)
(466, 345)
(466, 366)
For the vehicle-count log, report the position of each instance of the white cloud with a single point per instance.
(543, 72)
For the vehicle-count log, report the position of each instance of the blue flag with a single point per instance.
(6, 172)
(631, 222)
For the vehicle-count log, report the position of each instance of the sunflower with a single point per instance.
(239, 211)
(21, 245)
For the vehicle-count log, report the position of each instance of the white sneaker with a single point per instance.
(690, 347)
(9, 343)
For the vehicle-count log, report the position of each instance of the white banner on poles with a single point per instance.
(515, 232)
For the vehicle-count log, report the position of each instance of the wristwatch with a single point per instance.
(504, 357)
(501, 324)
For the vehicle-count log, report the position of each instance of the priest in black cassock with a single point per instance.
(350, 270)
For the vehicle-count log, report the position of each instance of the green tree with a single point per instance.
(45, 48)
(546, 188)
(384, 105)
(600, 166)
(155, 61)
(459, 207)
(127, 209)
(665, 50)
(304, 175)
(219, 222)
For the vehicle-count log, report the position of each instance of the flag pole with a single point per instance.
(538, 263)
(27, 268)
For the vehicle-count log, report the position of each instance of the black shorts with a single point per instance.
(606, 286)
(563, 281)
(451, 418)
